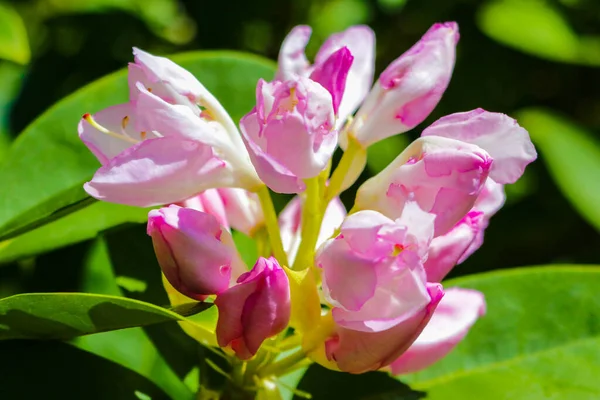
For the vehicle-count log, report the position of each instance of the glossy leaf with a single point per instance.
(540, 338)
(572, 155)
(14, 45)
(537, 28)
(67, 315)
(47, 164)
(130, 348)
(55, 370)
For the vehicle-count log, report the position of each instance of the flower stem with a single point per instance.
(272, 225)
(337, 178)
(312, 216)
(284, 365)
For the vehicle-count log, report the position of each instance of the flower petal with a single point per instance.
(292, 60)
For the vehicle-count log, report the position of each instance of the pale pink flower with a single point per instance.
(455, 314)
(160, 148)
(357, 351)
(243, 210)
(409, 88)
(372, 271)
(444, 176)
(289, 134)
(196, 254)
(254, 309)
(358, 40)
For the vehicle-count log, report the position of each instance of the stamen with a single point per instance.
(102, 129)
(125, 122)
(143, 135)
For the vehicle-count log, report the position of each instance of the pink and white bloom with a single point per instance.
(409, 88)
(289, 134)
(451, 321)
(498, 134)
(290, 224)
(357, 351)
(372, 271)
(210, 202)
(358, 40)
(444, 176)
(256, 308)
(196, 254)
(160, 147)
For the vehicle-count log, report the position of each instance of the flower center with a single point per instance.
(122, 136)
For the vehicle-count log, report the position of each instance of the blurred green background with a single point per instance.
(532, 59)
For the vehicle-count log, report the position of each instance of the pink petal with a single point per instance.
(332, 74)
(450, 323)
(292, 60)
(506, 142)
(357, 352)
(158, 171)
(491, 198)
(360, 40)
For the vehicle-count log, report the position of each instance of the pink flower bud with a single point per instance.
(455, 314)
(196, 254)
(255, 309)
(357, 352)
(358, 40)
(289, 134)
(409, 88)
(506, 142)
(372, 271)
(444, 176)
(209, 202)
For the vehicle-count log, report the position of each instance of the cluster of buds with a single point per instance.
(361, 289)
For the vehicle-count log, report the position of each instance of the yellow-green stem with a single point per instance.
(272, 225)
(337, 178)
(284, 365)
(312, 216)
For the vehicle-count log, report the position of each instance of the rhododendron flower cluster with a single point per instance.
(356, 290)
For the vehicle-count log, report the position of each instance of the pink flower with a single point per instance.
(357, 352)
(358, 40)
(444, 176)
(289, 133)
(255, 309)
(196, 254)
(210, 202)
(409, 88)
(505, 141)
(450, 323)
(160, 148)
(372, 271)
(290, 223)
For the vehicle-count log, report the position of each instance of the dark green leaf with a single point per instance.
(54, 370)
(323, 383)
(67, 315)
(540, 339)
(47, 164)
(572, 155)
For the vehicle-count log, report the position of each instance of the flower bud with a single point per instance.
(255, 309)
(289, 134)
(243, 209)
(196, 254)
(455, 314)
(409, 88)
(444, 176)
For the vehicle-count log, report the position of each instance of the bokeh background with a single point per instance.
(535, 58)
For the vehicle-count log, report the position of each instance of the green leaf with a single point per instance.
(540, 338)
(47, 164)
(128, 347)
(55, 370)
(572, 155)
(323, 383)
(535, 27)
(67, 315)
(14, 45)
